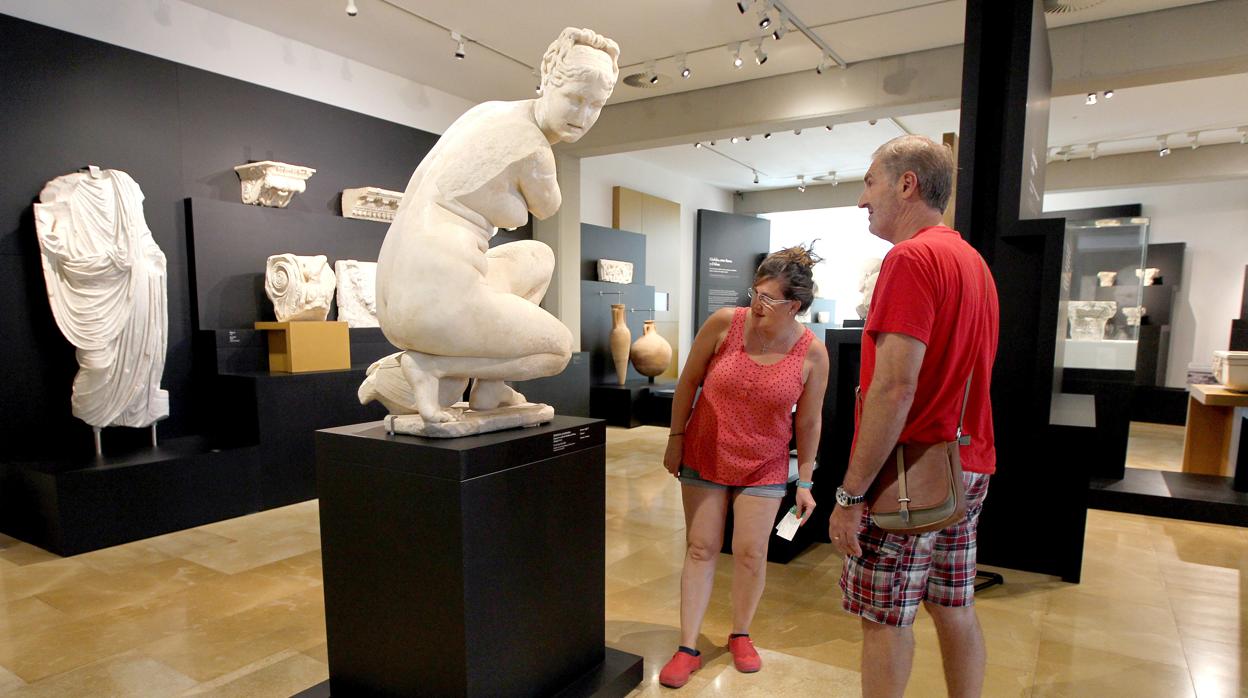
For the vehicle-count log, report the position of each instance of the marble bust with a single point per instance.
(459, 309)
(301, 287)
(105, 276)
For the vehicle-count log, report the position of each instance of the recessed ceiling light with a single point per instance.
(1091, 99)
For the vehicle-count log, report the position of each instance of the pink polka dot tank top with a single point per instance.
(742, 422)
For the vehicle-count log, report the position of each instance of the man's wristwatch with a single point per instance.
(846, 499)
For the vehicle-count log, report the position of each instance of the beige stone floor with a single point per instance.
(235, 609)
(1155, 446)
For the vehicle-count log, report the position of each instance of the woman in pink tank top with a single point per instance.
(731, 449)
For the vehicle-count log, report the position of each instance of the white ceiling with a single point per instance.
(404, 37)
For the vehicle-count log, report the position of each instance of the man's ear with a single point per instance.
(909, 184)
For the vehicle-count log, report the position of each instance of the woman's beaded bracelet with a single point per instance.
(805, 484)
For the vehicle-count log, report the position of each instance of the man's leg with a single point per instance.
(884, 586)
(887, 655)
(962, 649)
(950, 597)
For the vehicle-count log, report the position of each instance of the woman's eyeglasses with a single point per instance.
(766, 300)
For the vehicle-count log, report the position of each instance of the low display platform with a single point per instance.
(73, 505)
(469, 566)
(1189, 496)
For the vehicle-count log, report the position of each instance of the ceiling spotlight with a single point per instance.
(352, 10)
(780, 31)
(1109, 94)
(712, 144)
(767, 136)
(743, 5)
(801, 183)
(459, 45)
(1162, 148)
(756, 176)
(835, 180)
(823, 65)
(797, 132)
(538, 78)
(1243, 135)
(829, 127)
(1195, 136)
(747, 139)
(734, 139)
(873, 121)
(654, 74)
(764, 19)
(736, 57)
(684, 67)
(1092, 148)
(760, 56)
(1065, 153)
(1091, 99)
(698, 145)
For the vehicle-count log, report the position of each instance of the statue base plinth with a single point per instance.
(300, 346)
(468, 422)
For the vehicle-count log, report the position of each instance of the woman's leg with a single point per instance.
(753, 518)
(705, 511)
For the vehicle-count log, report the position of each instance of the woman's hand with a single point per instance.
(675, 453)
(805, 504)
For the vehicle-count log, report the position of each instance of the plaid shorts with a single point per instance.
(896, 572)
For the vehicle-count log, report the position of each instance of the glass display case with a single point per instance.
(1101, 307)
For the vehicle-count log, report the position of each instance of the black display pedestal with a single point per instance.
(467, 567)
(620, 405)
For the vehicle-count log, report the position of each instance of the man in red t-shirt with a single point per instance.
(932, 327)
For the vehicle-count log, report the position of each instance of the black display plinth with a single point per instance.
(620, 405)
(465, 567)
(75, 505)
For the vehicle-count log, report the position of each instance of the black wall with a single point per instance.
(1004, 117)
(738, 244)
(71, 101)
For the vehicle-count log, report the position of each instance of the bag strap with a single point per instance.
(966, 395)
(903, 496)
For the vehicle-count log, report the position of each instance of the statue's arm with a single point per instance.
(538, 185)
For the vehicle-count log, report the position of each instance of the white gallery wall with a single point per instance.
(669, 263)
(1212, 218)
(186, 34)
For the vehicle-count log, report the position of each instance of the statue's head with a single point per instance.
(579, 71)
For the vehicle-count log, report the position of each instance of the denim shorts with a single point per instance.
(689, 476)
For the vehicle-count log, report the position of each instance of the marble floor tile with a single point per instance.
(236, 608)
(283, 674)
(14, 553)
(9, 682)
(1078, 672)
(127, 674)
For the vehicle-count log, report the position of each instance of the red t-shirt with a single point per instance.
(935, 287)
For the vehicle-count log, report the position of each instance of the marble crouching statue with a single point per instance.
(357, 292)
(300, 287)
(270, 183)
(870, 274)
(457, 308)
(106, 283)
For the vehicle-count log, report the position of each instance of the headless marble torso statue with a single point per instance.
(106, 284)
(457, 308)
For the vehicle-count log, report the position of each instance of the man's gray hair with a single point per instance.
(931, 163)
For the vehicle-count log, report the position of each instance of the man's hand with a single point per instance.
(844, 526)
